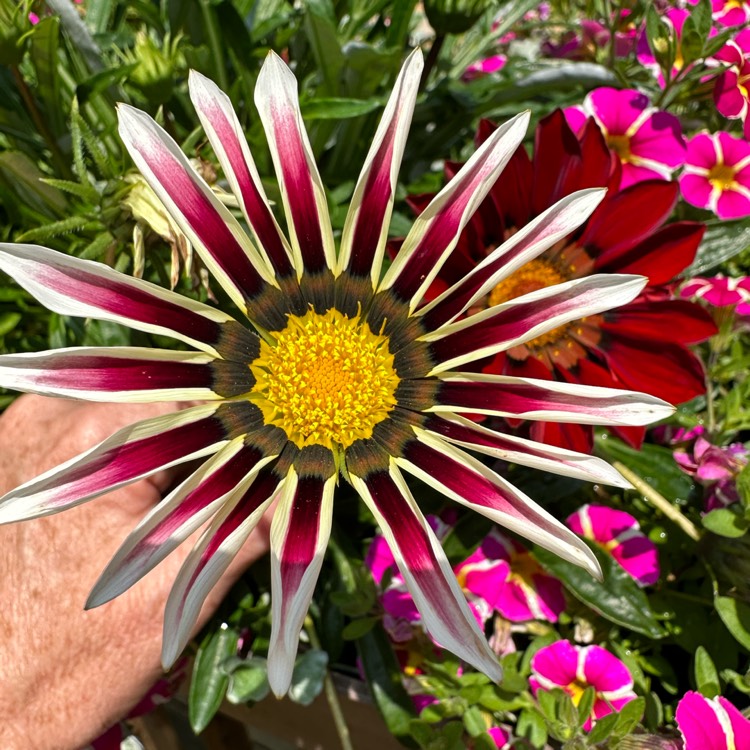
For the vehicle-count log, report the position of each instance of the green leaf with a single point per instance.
(701, 15)
(628, 717)
(321, 28)
(383, 675)
(617, 598)
(602, 729)
(44, 55)
(726, 522)
(474, 721)
(8, 321)
(531, 725)
(736, 616)
(308, 677)
(337, 108)
(87, 192)
(102, 80)
(653, 463)
(722, 241)
(357, 628)
(706, 676)
(585, 705)
(210, 681)
(248, 681)
(56, 228)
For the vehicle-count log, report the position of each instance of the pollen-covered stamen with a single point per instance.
(534, 275)
(327, 380)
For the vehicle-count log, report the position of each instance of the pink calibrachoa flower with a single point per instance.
(484, 67)
(504, 574)
(335, 372)
(574, 668)
(619, 534)
(732, 84)
(730, 12)
(717, 174)
(715, 467)
(720, 291)
(500, 737)
(648, 141)
(711, 724)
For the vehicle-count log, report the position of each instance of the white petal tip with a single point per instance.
(280, 669)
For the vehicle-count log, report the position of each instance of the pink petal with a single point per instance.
(696, 189)
(616, 110)
(732, 204)
(660, 139)
(557, 663)
(605, 671)
(699, 723)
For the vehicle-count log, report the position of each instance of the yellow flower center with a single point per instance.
(620, 144)
(326, 380)
(721, 176)
(575, 690)
(524, 568)
(534, 275)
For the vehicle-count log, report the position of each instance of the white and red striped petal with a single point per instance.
(548, 400)
(131, 453)
(181, 513)
(425, 568)
(366, 228)
(302, 191)
(210, 558)
(468, 434)
(527, 243)
(469, 482)
(83, 288)
(123, 374)
(206, 222)
(299, 537)
(436, 230)
(230, 146)
(502, 327)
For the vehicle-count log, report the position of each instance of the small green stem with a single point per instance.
(432, 58)
(214, 42)
(659, 501)
(28, 99)
(331, 695)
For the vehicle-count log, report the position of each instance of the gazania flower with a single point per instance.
(717, 174)
(647, 141)
(337, 374)
(618, 533)
(642, 345)
(711, 724)
(574, 668)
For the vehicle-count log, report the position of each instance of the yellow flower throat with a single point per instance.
(326, 380)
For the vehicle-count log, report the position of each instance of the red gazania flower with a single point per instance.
(641, 345)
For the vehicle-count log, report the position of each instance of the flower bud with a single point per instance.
(455, 16)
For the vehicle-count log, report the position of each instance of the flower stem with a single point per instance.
(331, 695)
(432, 58)
(659, 501)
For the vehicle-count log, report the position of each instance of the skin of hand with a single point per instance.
(67, 674)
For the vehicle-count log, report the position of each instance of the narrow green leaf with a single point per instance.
(602, 729)
(337, 108)
(706, 676)
(87, 192)
(44, 54)
(585, 705)
(357, 628)
(653, 463)
(736, 616)
(8, 321)
(722, 241)
(617, 598)
(209, 683)
(474, 721)
(56, 228)
(321, 28)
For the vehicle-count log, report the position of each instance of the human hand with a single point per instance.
(67, 674)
